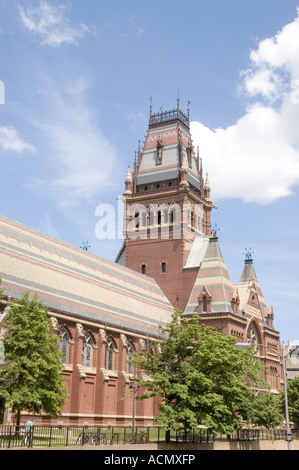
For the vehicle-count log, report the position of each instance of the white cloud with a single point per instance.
(9, 140)
(48, 21)
(259, 154)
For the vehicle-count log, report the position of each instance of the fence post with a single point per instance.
(67, 436)
(50, 438)
(9, 436)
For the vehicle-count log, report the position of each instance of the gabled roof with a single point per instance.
(212, 276)
(75, 282)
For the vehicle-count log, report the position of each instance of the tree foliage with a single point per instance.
(265, 411)
(200, 376)
(31, 377)
(293, 399)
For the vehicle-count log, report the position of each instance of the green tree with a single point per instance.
(200, 376)
(265, 410)
(31, 377)
(293, 399)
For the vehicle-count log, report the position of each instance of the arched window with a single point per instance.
(252, 337)
(166, 215)
(159, 216)
(87, 349)
(136, 219)
(64, 345)
(144, 216)
(109, 354)
(204, 304)
(130, 353)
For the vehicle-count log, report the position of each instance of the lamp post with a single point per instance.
(133, 387)
(247, 345)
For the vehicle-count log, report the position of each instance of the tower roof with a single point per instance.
(248, 283)
(248, 272)
(214, 279)
(167, 146)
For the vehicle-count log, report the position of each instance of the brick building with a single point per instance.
(102, 311)
(168, 236)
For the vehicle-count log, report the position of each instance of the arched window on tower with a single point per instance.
(159, 151)
(166, 215)
(144, 216)
(159, 217)
(136, 220)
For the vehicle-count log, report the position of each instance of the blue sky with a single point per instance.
(78, 77)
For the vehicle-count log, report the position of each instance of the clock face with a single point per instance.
(252, 338)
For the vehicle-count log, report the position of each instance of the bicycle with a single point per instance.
(85, 438)
(27, 439)
(140, 438)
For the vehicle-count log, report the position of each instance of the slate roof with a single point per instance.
(213, 276)
(70, 280)
(175, 137)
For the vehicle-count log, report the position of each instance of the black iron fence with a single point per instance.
(12, 436)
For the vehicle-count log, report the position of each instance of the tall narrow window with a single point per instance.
(143, 219)
(163, 268)
(63, 345)
(166, 215)
(204, 304)
(159, 151)
(137, 220)
(159, 217)
(87, 346)
(129, 364)
(143, 269)
(109, 358)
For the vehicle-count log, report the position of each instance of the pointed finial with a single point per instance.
(214, 231)
(188, 108)
(178, 100)
(128, 179)
(85, 246)
(207, 183)
(151, 106)
(248, 253)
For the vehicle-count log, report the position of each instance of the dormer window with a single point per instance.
(159, 151)
(204, 301)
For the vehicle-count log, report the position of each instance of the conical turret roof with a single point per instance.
(249, 283)
(214, 279)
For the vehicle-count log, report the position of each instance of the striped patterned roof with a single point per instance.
(175, 137)
(75, 282)
(213, 277)
(247, 285)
